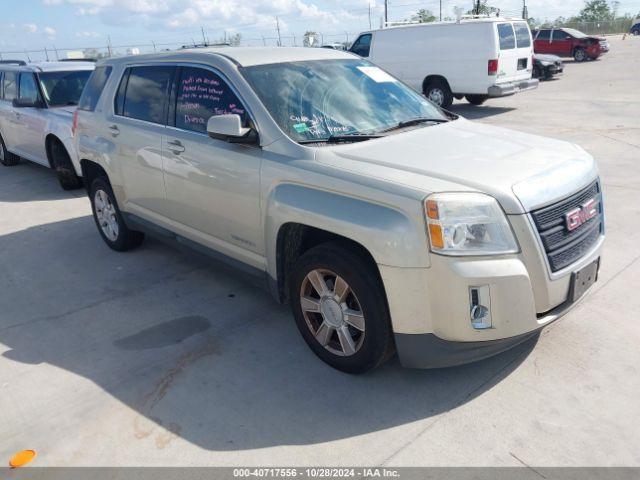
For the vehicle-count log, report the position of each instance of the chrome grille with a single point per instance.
(564, 247)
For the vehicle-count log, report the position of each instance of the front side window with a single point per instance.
(28, 87)
(9, 86)
(146, 93)
(362, 45)
(544, 35)
(63, 88)
(522, 35)
(506, 36)
(201, 95)
(560, 35)
(314, 100)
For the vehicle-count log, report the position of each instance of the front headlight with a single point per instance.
(467, 224)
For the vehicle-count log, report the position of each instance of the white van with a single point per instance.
(474, 58)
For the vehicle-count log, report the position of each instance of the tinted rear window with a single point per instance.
(146, 93)
(522, 35)
(93, 89)
(506, 36)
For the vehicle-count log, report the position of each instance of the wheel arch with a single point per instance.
(90, 171)
(298, 217)
(434, 77)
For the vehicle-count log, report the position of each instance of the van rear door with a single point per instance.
(515, 51)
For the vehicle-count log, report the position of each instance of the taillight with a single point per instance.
(493, 67)
(74, 125)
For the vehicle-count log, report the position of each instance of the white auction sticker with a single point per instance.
(376, 74)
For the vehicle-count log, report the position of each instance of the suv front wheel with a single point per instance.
(339, 306)
(579, 55)
(108, 218)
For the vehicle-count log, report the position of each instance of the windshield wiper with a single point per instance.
(351, 137)
(415, 121)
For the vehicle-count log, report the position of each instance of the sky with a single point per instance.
(34, 25)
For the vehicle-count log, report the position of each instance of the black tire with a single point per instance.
(476, 99)
(361, 275)
(537, 72)
(438, 92)
(7, 158)
(548, 75)
(580, 55)
(61, 163)
(125, 238)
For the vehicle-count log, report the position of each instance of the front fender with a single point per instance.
(63, 133)
(392, 237)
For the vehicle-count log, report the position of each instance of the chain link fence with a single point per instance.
(334, 39)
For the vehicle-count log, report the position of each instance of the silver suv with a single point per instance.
(37, 101)
(386, 222)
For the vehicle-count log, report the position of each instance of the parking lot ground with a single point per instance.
(155, 357)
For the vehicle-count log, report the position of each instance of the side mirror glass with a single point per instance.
(229, 128)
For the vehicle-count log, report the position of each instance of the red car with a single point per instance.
(567, 42)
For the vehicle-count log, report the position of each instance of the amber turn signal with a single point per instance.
(22, 458)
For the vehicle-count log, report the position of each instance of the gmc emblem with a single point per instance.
(582, 214)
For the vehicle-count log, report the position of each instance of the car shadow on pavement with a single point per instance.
(474, 112)
(28, 181)
(193, 349)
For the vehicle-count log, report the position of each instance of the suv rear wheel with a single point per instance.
(7, 158)
(61, 162)
(579, 55)
(111, 225)
(339, 306)
(439, 93)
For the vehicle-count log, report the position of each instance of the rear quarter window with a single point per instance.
(506, 36)
(146, 94)
(523, 39)
(93, 89)
(9, 85)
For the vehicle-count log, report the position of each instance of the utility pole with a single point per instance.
(525, 13)
(369, 15)
(386, 12)
(204, 39)
(278, 28)
(46, 53)
(154, 45)
(440, 10)
(56, 50)
(109, 45)
(478, 7)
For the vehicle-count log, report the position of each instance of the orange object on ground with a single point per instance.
(22, 458)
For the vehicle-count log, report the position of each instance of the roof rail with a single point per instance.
(78, 60)
(21, 63)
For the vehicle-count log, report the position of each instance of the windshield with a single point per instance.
(63, 88)
(574, 33)
(315, 100)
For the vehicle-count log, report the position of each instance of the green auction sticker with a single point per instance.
(301, 127)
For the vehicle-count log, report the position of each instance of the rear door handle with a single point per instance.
(175, 146)
(115, 131)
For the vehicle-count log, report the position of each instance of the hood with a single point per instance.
(522, 171)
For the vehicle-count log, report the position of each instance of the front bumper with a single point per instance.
(511, 88)
(430, 307)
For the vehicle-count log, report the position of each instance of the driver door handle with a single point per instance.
(115, 131)
(175, 146)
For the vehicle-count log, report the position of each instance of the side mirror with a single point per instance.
(27, 102)
(229, 128)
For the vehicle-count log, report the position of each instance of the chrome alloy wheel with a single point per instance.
(332, 312)
(106, 215)
(436, 95)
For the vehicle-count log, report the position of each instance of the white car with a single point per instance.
(474, 58)
(386, 222)
(37, 101)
